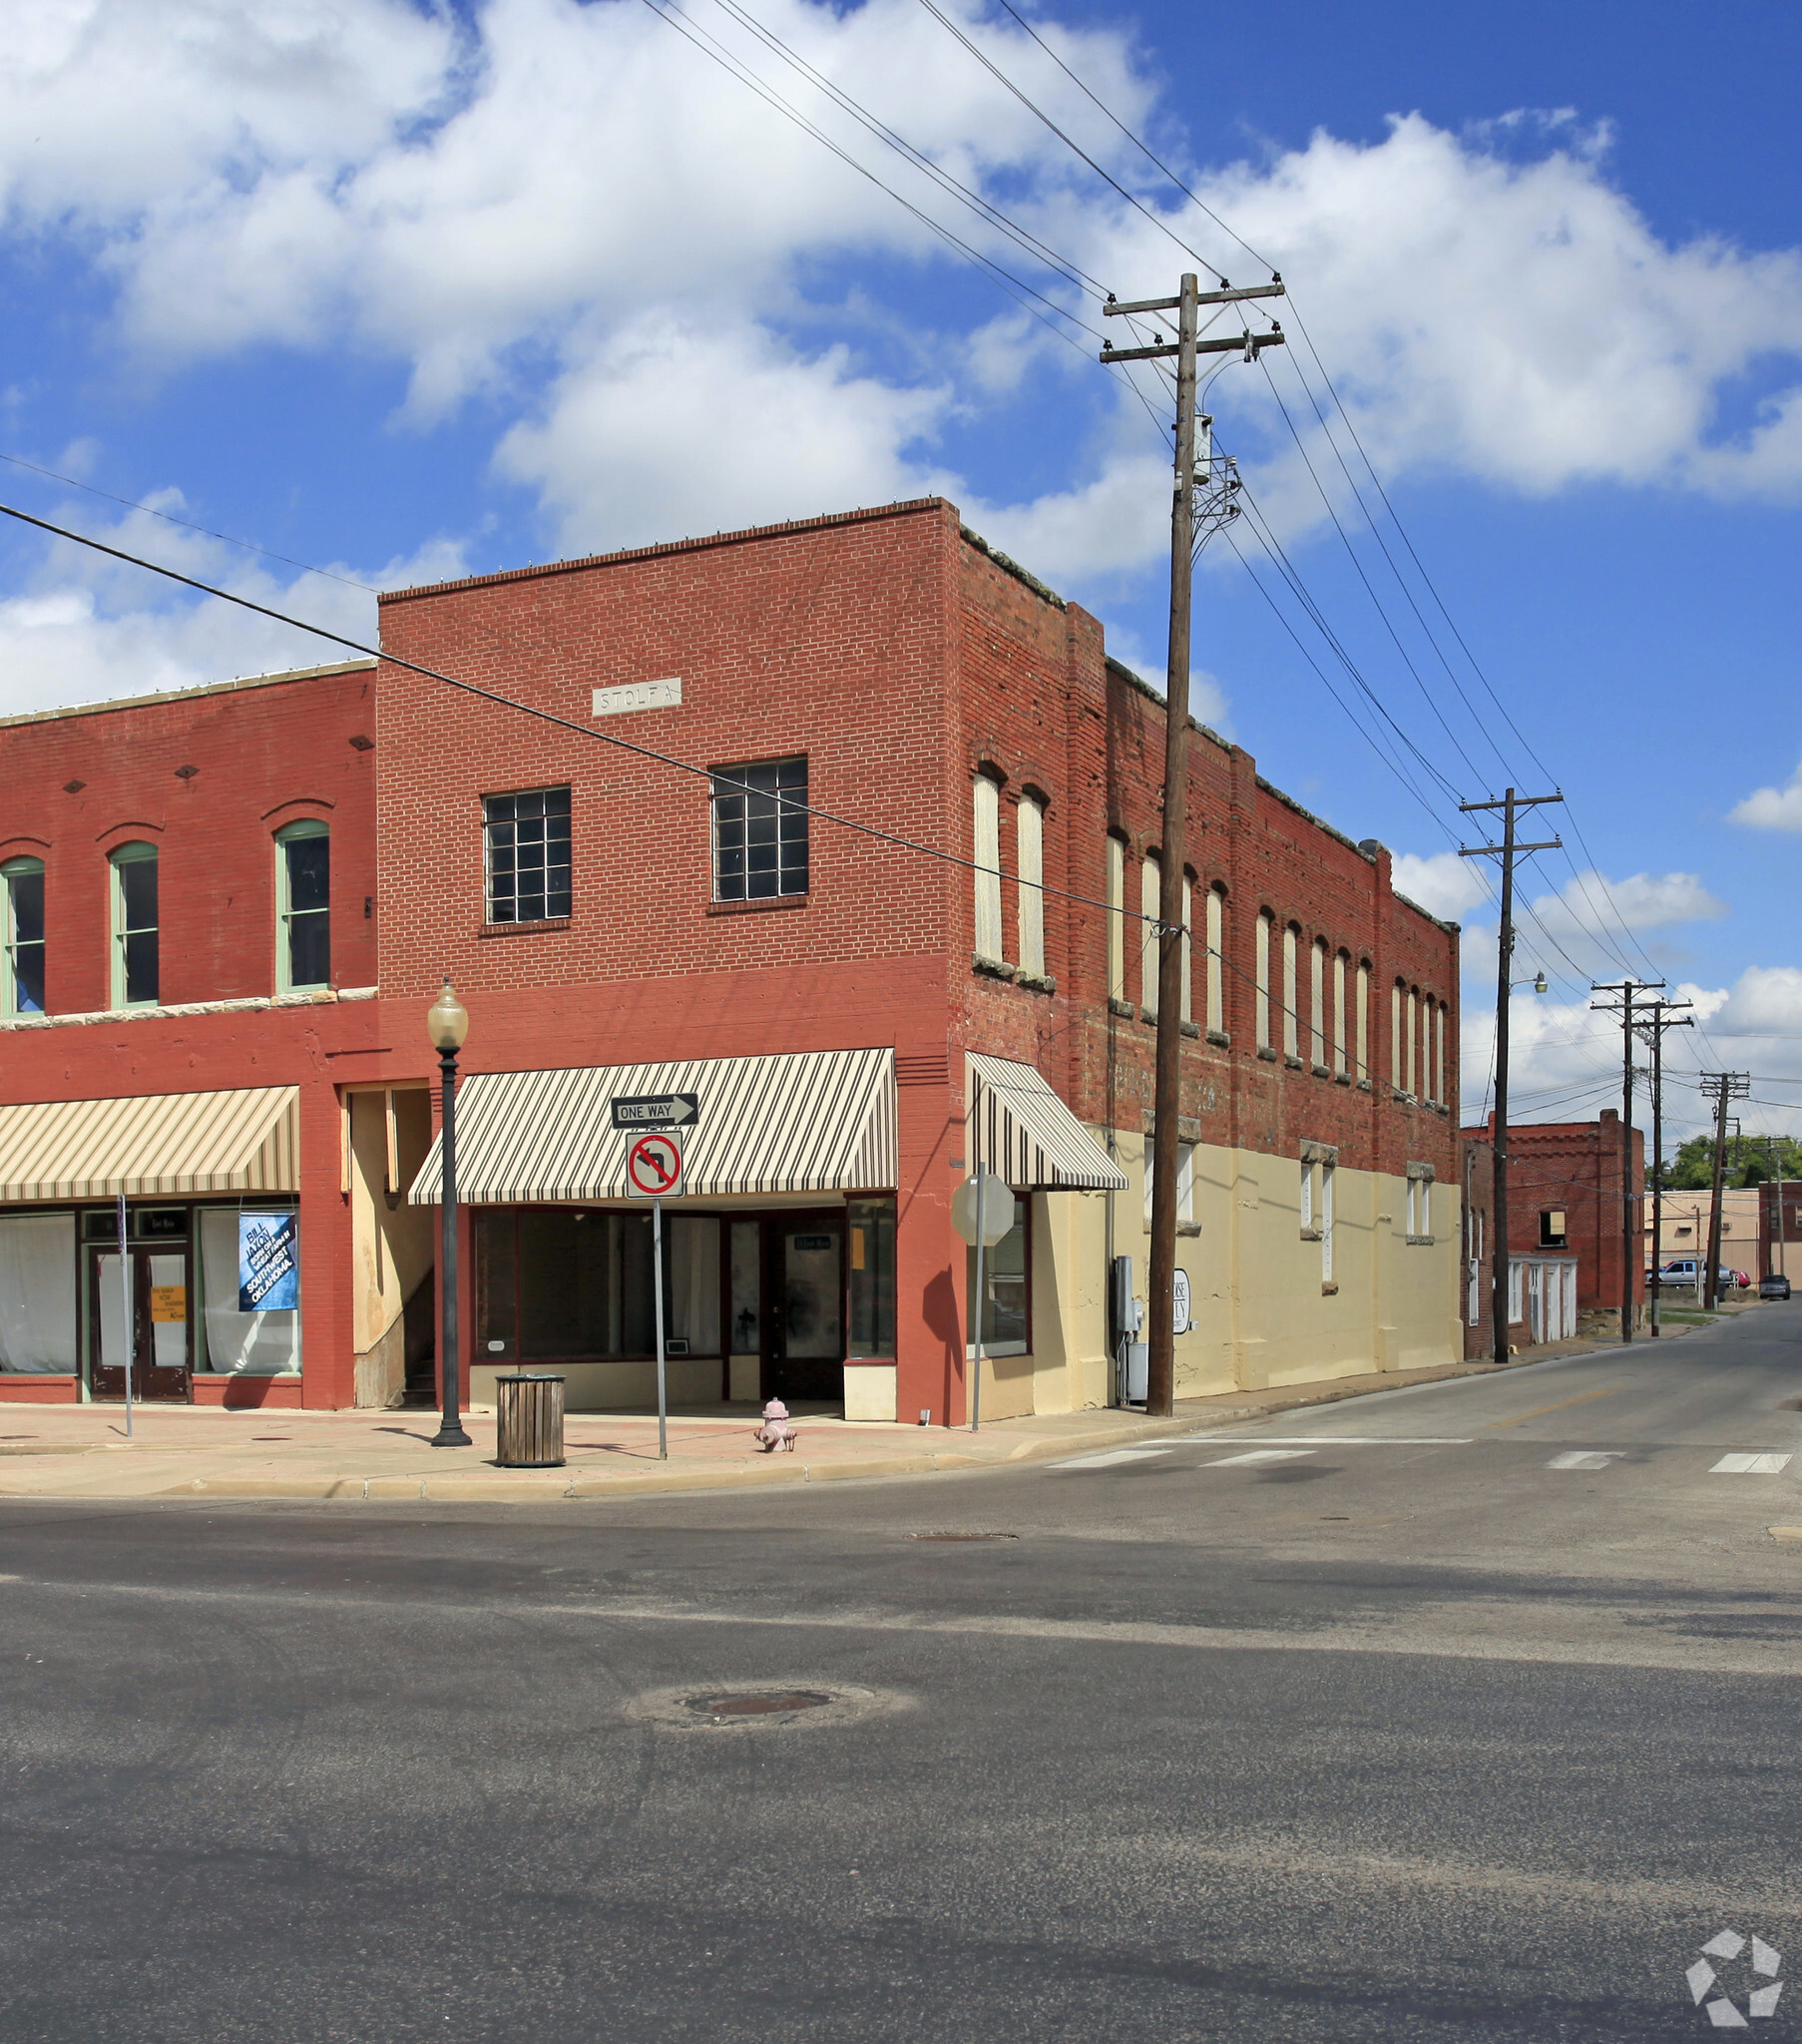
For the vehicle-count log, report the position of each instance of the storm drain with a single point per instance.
(774, 1707)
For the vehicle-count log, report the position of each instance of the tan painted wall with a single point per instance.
(1262, 1314)
(392, 1243)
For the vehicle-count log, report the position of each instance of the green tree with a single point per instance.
(1751, 1159)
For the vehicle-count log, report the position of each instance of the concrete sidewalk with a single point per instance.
(81, 1451)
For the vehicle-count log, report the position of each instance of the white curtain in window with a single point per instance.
(1029, 838)
(691, 1243)
(38, 1324)
(988, 874)
(239, 1345)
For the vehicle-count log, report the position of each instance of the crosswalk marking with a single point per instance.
(1585, 1459)
(1109, 1458)
(1751, 1466)
(1261, 1455)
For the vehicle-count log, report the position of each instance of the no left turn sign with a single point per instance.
(654, 1167)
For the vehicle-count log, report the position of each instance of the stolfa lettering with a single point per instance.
(269, 1262)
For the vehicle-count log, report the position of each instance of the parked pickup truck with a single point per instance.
(1686, 1270)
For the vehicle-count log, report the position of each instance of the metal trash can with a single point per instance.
(530, 1414)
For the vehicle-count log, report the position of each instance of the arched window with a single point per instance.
(1188, 932)
(1339, 964)
(1263, 998)
(1117, 920)
(1150, 904)
(1029, 863)
(137, 979)
(1397, 1073)
(302, 906)
(1216, 947)
(1412, 1083)
(988, 868)
(1291, 1023)
(1363, 1040)
(1317, 1004)
(1438, 1053)
(22, 931)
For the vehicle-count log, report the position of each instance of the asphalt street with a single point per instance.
(1468, 1712)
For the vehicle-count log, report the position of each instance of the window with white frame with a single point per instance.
(1261, 995)
(302, 906)
(1188, 961)
(1338, 1014)
(1291, 1021)
(1317, 1003)
(1319, 1162)
(1117, 920)
(1420, 1204)
(1328, 1172)
(759, 831)
(1185, 1184)
(527, 835)
(1439, 1052)
(1363, 1072)
(1216, 945)
(22, 929)
(986, 801)
(1028, 858)
(136, 974)
(1150, 901)
(1396, 1073)
(1426, 1047)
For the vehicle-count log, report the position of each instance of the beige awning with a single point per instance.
(151, 1143)
(1020, 1130)
(801, 1121)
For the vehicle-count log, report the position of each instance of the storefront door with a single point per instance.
(160, 1359)
(804, 1325)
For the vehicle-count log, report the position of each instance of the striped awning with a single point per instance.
(801, 1121)
(151, 1143)
(1020, 1130)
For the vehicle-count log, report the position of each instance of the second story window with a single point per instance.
(761, 830)
(302, 906)
(986, 798)
(22, 930)
(527, 854)
(136, 977)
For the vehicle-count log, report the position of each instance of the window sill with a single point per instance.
(525, 930)
(1118, 1007)
(1311, 1234)
(1035, 982)
(1221, 1039)
(759, 905)
(1189, 1227)
(1266, 1052)
(1396, 1093)
(1320, 1071)
(1364, 1085)
(1294, 1064)
(1329, 1288)
(1190, 1029)
(1426, 1242)
(992, 969)
(1342, 1079)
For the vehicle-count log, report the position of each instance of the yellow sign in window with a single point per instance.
(169, 1304)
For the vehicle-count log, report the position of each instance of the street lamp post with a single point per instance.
(447, 1024)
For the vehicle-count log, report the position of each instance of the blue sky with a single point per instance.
(403, 291)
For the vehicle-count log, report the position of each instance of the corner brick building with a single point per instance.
(862, 1021)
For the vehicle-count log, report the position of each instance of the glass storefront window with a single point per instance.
(38, 1317)
(870, 1276)
(574, 1284)
(254, 1345)
(748, 1287)
(1007, 1269)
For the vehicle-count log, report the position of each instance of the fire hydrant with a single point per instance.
(777, 1436)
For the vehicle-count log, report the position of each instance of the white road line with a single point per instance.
(1261, 1455)
(1109, 1458)
(1751, 1466)
(1581, 1458)
(1319, 1440)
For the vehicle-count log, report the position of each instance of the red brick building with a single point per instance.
(1569, 1184)
(863, 1022)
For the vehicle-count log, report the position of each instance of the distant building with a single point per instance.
(1568, 1184)
(229, 909)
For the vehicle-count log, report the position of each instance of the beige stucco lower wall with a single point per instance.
(1264, 1313)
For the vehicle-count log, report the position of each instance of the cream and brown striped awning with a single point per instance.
(152, 1145)
(798, 1122)
(1020, 1130)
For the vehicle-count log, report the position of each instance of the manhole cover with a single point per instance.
(963, 1536)
(761, 1706)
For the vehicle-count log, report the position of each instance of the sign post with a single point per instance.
(125, 1307)
(982, 1212)
(653, 1172)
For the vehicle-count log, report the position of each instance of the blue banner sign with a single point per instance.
(269, 1262)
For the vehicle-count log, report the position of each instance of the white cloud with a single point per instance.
(1772, 809)
(1444, 884)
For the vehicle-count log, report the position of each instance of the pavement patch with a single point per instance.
(763, 1707)
(1585, 1459)
(1751, 1466)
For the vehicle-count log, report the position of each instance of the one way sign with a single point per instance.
(657, 1111)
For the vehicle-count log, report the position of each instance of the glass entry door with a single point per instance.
(156, 1326)
(804, 1321)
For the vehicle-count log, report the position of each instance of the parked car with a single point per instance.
(1774, 1287)
(1683, 1270)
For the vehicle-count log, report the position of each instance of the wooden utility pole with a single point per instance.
(1508, 851)
(1160, 1285)
(1662, 1016)
(1632, 1226)
(1720, 1087)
